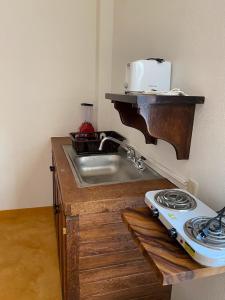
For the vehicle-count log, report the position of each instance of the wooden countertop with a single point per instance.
(170, 260)
(98, 198)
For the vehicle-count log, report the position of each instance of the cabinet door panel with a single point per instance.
(60, 224)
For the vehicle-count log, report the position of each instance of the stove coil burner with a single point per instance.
(215, 237)
(176, 200)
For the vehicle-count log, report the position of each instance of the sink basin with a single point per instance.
(105, 169)
(97, 165)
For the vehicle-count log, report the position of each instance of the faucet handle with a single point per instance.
(130, 152)
(140, 163)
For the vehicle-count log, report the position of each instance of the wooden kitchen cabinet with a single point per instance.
(103, 258)
(98, 258)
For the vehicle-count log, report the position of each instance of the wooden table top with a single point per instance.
(171, 262)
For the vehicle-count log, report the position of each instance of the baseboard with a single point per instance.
(26, 209)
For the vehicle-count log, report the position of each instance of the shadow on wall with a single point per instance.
(34, 184)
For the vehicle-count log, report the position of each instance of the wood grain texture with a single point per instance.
(114, 271)
(103, 232)
(97, 199)
(60, 223)
(132, 293)
(118, 283)
(171, 262)
(111, 266)
(72, 258)
(123, 243)
(115, 258)
(169, 118)
(90, 220)
(173, 124)
(130, 117)
(155, 99)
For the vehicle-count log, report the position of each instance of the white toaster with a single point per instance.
(147, 75)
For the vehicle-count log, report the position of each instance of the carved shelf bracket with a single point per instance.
(169, 118)
(130, 117)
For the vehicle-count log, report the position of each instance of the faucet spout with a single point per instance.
(109, 138)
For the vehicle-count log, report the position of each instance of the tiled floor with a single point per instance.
(28, 255)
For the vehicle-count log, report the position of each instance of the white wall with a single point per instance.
(47, 67)
(105, 47)
(192, 35)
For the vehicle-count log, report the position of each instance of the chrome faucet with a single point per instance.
(110, 139)
(131, 154)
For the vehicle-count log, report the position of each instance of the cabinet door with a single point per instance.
(62, 243)
(60, 224)
(67, 234)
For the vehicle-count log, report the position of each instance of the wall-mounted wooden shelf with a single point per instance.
(169, 118)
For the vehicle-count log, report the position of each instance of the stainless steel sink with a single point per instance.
(105, 169)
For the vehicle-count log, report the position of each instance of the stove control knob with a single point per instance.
(172, 233)
(155, 212)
